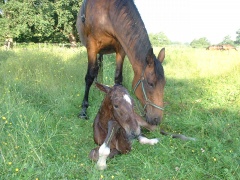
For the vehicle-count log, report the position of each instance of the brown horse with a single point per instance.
(214, 47)
(108, 26)
(228, 47)
(116, 124)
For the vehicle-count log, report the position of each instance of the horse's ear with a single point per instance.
(102, 87)
(161, 55)
(150, 57)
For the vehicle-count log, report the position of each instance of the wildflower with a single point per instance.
(193, 151)
(9, 163)
(78, 95)
(203, 150)
(4, 118)
(177, 168)
(112, 177)
(101, 177)
(214, 159)
(16, 169)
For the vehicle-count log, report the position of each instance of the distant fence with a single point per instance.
(40, 45)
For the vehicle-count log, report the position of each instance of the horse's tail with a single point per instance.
(83, 12)
(179, 136)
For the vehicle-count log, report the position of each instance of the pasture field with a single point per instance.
(41, 136)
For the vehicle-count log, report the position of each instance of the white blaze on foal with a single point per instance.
(144, 140)
(127, 98)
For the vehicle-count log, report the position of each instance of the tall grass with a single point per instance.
(42, 138)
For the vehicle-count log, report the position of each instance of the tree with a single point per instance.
(227, 40)
(237, 38)
(159, 39)
(200, 43)
(39, 20)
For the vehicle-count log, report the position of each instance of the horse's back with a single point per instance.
(96, 27)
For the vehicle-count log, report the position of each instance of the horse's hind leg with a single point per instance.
(99, 77)
(92, 72)
(119, 65)
(94, 155)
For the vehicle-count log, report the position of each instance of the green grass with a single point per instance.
(42, 138)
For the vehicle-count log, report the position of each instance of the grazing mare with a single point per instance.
(108, 26)
(214, 47)
(228, 47)
(116, 124)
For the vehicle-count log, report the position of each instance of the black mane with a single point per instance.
(130, 27)
(131, 31)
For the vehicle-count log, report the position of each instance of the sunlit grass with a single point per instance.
(41, 137)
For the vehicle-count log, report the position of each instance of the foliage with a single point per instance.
(200, 43)
(42, 138)
(159, 39)
(227, 40)
(237, 38)
(39, 20)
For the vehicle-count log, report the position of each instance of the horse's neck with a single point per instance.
(130, 31)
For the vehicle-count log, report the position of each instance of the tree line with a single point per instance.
(38, 20)
(203, 42)
(55, 21)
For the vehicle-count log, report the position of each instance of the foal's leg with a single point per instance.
(143, 123)
(104, 149)
(119, 65)
(92, 72)
(144, 140)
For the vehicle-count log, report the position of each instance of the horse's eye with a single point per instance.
(115, 106)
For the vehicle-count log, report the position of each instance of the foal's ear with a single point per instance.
(161, 55)
(102, 87)
(150, 57)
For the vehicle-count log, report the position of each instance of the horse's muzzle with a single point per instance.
(153, 121)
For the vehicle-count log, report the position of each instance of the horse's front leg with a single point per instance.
(92, 72)
(119, 65)
(104, 149)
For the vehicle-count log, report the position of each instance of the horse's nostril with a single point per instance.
(156, 120)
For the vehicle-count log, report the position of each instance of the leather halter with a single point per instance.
(147, 101)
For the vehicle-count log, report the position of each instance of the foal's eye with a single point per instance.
(115, 106)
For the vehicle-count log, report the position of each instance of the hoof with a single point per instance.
(102, 167)
(83, 115)
(94, 155)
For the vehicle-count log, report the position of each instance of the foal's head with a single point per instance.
(121, 106)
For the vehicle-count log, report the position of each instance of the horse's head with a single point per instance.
(122, 108)
(149, 85)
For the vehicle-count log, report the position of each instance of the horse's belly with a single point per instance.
(107, 51)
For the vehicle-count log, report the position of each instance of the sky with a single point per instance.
(186, 20)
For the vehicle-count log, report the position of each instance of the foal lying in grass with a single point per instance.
(116, 124)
